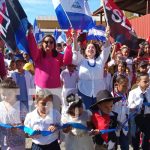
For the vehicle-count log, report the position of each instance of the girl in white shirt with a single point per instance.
(44, 117)
(76, 139)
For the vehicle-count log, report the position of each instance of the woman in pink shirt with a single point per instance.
(47, 61)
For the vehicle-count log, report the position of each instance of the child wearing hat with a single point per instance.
(44, 118)
(102, 119)
(77, 139)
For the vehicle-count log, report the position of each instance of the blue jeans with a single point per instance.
(87, 101)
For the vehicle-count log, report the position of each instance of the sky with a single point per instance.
(34, 8)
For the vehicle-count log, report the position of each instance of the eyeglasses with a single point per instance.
(50, 42)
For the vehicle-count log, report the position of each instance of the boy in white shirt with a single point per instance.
(136, 100)
(44, 118)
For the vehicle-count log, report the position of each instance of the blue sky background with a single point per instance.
(34, 8)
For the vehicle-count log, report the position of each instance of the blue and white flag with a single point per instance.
(56, 34)
(73, 14)
(62, 38)
(96, 33)
(37, 32)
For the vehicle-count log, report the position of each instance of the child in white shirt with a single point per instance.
(11, 114)
(77, 139)
(136, 100)
(69, 79)
(44, 117)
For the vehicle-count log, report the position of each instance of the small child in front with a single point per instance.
(11, 114)
(102, 119)
(44, 118)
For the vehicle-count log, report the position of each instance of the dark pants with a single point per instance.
(87, 101)
(52, 146)
(123, 141)
(136, 139)
(143, 125)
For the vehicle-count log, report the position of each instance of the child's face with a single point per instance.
(118, 57)
(106, 107)
(125, 52)
(144, 82)
(143, 69)
(121, 68)
(44, 105)
(71, 68)
(77, 111)
(9, 95)
(19, 65)
(123, 86)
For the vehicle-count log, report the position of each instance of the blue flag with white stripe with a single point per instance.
(96, 33)
(73, 14)
(56, 34)
(62, 38)
(37, 32)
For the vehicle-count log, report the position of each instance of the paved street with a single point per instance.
(28, 145)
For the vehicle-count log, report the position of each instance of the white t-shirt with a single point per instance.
(34, 121)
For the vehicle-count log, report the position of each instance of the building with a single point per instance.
(48, 24)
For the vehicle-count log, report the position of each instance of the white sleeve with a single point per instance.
(131, 103)
(105, 54)
(77, 57)
(27, 121)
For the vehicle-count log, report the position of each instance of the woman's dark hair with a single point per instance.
(97, 48)
(54, 52)
(76, 102)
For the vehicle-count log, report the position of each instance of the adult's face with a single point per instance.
(48, 44)
(90, 51)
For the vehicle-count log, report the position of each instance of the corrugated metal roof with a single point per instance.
(141, 26)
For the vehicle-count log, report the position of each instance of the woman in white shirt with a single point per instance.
(91, 70)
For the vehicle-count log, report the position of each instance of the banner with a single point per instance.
(73, 13)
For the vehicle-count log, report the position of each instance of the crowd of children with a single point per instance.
(103, 89)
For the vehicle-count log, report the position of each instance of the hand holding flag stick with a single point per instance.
(107, 32)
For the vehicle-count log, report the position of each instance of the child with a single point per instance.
(101, 120)
(77, 139)
(121, 70)
(44, 117)
(69, 78)
(136, 98)
(25, 82)
(12, 139)
(121, 108)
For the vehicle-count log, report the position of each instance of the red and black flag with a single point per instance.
(121, 29)
(6, 29)
(19, 22)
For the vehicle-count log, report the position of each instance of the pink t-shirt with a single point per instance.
(47, 69)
